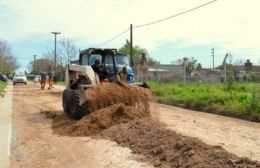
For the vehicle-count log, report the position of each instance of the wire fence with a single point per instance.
(178, 74)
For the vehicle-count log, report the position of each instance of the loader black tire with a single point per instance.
(71, 104)
(66, 97)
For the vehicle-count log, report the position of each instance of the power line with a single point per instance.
(213, 57)
(157, 21)
(82, 11)
(90, 9)
(77, 9)
(115, 37)
(175, 15)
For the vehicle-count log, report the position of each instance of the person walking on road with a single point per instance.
(51, 76)
(43, 80)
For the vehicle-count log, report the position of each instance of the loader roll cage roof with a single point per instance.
(102, 52)
(85, 56)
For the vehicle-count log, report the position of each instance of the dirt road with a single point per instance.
(236, 136)
(35, 145)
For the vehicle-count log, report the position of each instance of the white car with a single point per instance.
(20, 79)
(37, 78)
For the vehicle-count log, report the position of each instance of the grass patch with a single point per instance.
(240, 100)
(59, 82)
(2, 87)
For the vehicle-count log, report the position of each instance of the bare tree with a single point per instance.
(177, 62)
(40, 65)
(67, 50)
(239, 61)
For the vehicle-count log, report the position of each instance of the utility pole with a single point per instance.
(55, 47)
(131, 45)
(34, 58)
(185, 61)
(157, 73)
(185, 72)
(225, 68)
(212, 52)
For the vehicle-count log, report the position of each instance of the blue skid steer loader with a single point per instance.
(84, 74)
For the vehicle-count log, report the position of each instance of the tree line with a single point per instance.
(66, 51)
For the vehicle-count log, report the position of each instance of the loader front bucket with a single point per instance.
(144, 84)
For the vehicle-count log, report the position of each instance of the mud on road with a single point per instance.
(36, 113)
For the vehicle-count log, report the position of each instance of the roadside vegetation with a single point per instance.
(241, 100)
(8, 63)
(2, 87)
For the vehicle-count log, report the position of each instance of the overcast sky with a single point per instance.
(227, 25)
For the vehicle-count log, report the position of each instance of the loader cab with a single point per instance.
(105, 56)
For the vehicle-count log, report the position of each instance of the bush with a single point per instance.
(255, 104)
(2, 87)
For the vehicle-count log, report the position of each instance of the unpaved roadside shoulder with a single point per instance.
(236, 136)
(5, 126)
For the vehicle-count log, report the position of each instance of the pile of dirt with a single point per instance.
(110, 104)
(96, 121)
(106, 94)
(165, 148)
(122, 114)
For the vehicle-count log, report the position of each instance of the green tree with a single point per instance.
(190, 64)
(137, 52)
(43, 65)
(8, 63)
(199, 67)
(40, 65)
